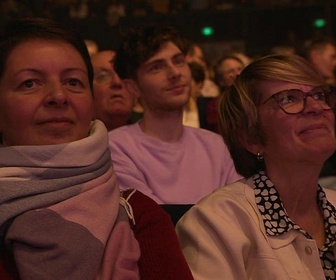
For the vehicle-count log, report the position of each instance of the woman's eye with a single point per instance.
(288, 98)
(319, 96)
(75, 83)
(29, 83)
(102, 76)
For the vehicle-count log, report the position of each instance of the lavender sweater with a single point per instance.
(171, 173)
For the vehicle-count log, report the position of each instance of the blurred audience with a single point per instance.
(191, 113)
(113, 104)
(196, 54)
(226, 70)
(322, 53)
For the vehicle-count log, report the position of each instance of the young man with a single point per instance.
(169, 162)
(113, 104)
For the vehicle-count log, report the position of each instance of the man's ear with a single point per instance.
(251, 144)
(132, 87)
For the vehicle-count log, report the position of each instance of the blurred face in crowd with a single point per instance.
(324, 60)
(45, 95)
(228, 71)
(307, 136)
(111, 99)
(197, 56)
(163, 81)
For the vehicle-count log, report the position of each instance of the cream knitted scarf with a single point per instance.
(60, 214)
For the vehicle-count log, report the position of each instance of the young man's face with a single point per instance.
(164, 80)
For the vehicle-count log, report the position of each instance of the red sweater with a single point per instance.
(161, 256)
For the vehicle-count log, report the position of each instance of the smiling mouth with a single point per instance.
(314, 129)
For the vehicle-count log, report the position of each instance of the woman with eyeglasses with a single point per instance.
(278, 223)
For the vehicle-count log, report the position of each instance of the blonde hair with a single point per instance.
(238, 105)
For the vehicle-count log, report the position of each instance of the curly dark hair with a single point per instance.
(138, 45)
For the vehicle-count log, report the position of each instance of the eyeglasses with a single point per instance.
(103, 77)
(293, 101)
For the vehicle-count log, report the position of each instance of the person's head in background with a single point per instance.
(226, 70)
(113, 104)
(244, 58)
(282, 49)
(45, 84)
(196, 54)
(92, 46)
(198, 77)
(322, 54)
(254, 122)
(151, 61)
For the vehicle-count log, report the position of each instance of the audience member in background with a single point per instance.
(171, 163)
(244, 58)
(196, 54)
(277, 223)
(113, 104)
(282, 49)
(60, 215)
(226, 70)
(191, 113)
(322, 53)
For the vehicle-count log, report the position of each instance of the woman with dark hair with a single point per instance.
(62, 215)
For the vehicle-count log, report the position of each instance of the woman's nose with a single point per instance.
(313, 106)
(56, 96)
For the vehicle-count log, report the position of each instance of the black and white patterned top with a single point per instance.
(277, 222)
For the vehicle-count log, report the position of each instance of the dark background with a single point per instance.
(253, 27)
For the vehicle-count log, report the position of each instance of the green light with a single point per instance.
(207, 31)
(319, 23)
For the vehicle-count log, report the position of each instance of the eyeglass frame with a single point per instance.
(108, 74)
(327, 91)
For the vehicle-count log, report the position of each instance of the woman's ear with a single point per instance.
(250, 143)
(132, 87)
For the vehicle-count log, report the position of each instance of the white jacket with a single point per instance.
(223, 237)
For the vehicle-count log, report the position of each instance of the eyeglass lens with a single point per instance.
(103, 77)
(293, 101)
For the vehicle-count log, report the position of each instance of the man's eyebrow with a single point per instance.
(159, 60)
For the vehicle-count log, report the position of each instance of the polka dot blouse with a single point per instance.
(277, 222)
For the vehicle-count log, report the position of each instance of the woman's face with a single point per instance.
(308, 136)
(45, 96)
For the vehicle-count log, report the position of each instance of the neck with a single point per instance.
(166, 126)
(297, 185)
